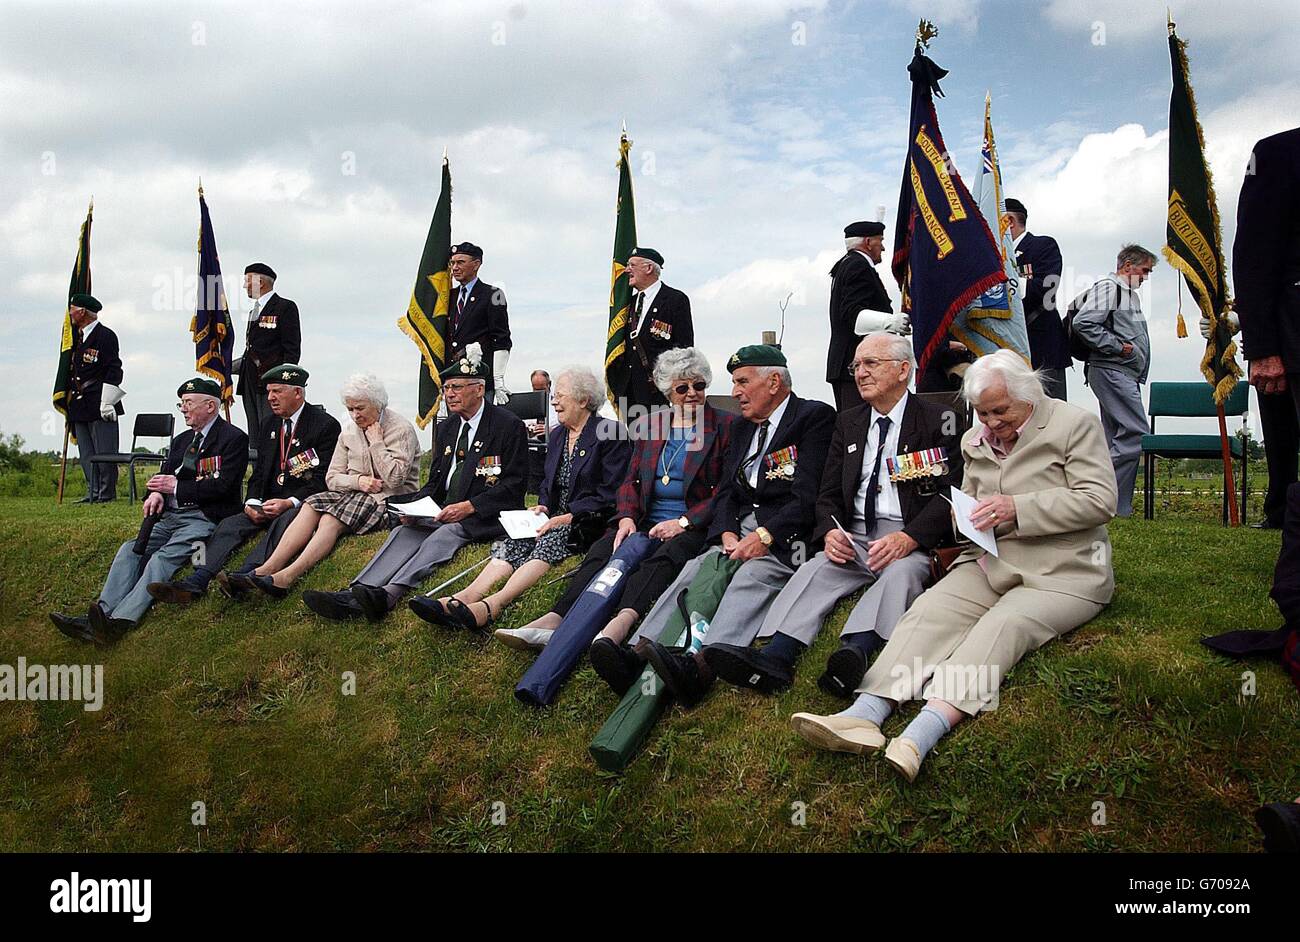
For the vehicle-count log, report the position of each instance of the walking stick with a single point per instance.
(63, 465)
(460, 575)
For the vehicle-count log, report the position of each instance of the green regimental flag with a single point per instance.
(425, 320)
(79, 284)
(617, 365)
(1193, 234)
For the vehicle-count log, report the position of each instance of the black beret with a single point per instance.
(651, 254)
(1015, 206)
(87, 301)
(758, 354)
(467, 248)
(863, 229)
(258, 268)
(286, 374)
(205, 387)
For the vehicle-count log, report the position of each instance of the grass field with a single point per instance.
(240, 706)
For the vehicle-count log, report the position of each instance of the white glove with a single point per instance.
(870, 321)
(110, 396)
(499, 360)
(1233, 322)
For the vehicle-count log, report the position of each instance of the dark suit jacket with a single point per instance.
(926, 518)
(599, 464)
(274, 338)
(485, 321)
(214, 492)
(500, 435)
(1266, 252)
(785, 506)
(854, 285)
(95, 361)
(672, 309)
(316, 429)
(1049, 348)
(702, 469)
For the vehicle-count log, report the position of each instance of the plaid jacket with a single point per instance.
(703, 467)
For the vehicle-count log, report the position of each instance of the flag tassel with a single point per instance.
(1182, 324)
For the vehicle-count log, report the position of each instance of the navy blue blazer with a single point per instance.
(214, 485)
(1049, 348)
(599, 465)
(786, 506)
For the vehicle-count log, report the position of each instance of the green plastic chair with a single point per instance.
(1191, 400)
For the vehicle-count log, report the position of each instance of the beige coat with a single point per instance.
(395, 460)
(1060, 475)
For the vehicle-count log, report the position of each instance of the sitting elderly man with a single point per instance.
(1039, 470)
(480, 467)
(295, 447)
(763, 517)
(197, 485)
(880, 513)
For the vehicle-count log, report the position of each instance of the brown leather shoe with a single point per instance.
(176, 593)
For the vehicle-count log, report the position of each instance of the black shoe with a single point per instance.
(337, 606)
(109, 630)
(267, 585)
(687, 676)
(429, 610)
(845, 669)
(748, 667)
(177, 593)
(373, 601)
(1280, 822)
(615, 664)
(76, 627)
(1267, 525)
(233, 585)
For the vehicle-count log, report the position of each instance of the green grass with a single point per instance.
(240, 707)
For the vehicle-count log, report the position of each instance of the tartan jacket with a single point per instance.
(703, 466)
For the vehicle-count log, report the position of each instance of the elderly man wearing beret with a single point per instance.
(479, 320)
(659, 319)
(94, 395)
(855, 287)
(197, 485)
(273, 336)
(294, 450)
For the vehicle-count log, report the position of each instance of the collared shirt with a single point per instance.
(205, 431)
(85, 331)
(649, 301)
(294, 419)
(888, 506)
(1015, 243)
(261, 303)
(473, 422)
(774, 422)
(468, 288)
(984, 436)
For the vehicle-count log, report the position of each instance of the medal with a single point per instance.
(666, 479)
(279, 478)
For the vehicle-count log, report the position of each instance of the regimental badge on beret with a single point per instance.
(200, 386)
(467, 248)
(286, 374)
(647, 253)
(758, 354)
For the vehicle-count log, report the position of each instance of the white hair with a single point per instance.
(765, 371)
(365, 386)
(680, 363)
(900, 347)
(854, 242)
(583, 385)
(1023, 382)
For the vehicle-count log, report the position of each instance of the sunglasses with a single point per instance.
(699, 386)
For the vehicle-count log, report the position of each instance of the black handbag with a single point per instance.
(588, 527)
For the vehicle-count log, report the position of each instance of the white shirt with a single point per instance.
(85, 331)
(473, 424)
(261, 304)
(888, 506)
(774, 421)
(649, 301)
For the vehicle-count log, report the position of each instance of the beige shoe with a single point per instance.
(838, 733)
(903, 755)
(523, 639)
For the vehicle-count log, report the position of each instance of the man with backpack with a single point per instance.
(1109, 333)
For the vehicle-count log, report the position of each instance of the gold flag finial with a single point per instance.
(1169, 16)
(200, 186)
(925, 31)
(444, 153)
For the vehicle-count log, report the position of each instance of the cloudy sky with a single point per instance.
(760, 128)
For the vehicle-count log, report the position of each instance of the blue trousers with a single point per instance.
(173, 541)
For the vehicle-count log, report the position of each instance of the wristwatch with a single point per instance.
(684, 522)
(764, 535)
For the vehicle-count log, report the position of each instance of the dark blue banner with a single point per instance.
(214, 335)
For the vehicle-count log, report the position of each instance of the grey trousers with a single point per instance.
(818, 585)
(97, 438)
(175, 538)
(1124, 421)
(410, 554)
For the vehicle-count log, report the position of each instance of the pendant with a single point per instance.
(279, 478)
(666, 479)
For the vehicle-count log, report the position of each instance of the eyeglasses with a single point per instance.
(183, 405)
(457, 388)
(699, 386)
(871, 365)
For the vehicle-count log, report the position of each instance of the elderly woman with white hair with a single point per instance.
(377, 457)
(1040, 473)
(586, 457)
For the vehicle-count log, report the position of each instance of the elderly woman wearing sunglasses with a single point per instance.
(675, 468)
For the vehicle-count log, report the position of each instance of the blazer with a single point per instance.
(95, 361)
(786, 506)
(214, 484)
(1266, 251)
(317, 432)
(1063, 483)
(485, 321)
(926, 517)
(501, 436)
(599, 463)
(854, 285)
(395, 459)
(274, 338)
(1049, 348)
(702, 470)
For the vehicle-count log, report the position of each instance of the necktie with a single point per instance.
(460, 305)
(191, 459)
(454, 492)
(742, 473)
(636, 316)
(869, 508)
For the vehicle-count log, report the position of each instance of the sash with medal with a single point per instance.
(930, 462)
(781, 463)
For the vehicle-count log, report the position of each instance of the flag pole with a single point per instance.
(1230, 483)
(63, 465)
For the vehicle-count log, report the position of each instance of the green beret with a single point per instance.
(286, 374)
(464, 369)
(651, 254)
(87, 301)
(759, 354)
(202, 386)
